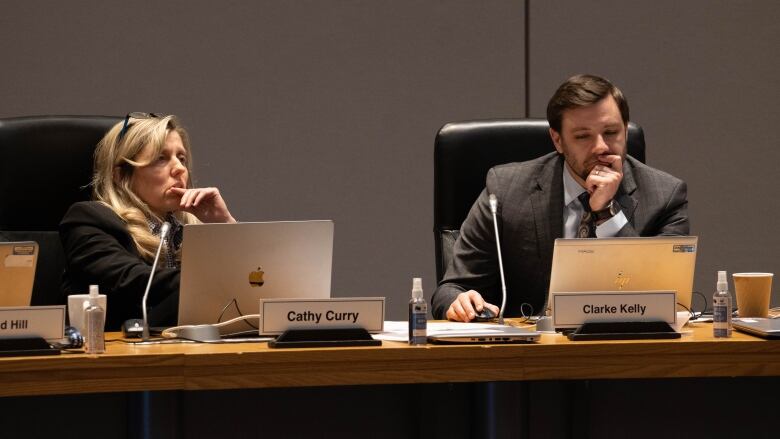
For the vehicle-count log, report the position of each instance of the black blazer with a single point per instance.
(99, 250)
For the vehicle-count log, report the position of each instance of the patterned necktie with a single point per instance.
(587, 227)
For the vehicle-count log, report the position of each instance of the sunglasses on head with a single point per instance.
(135, 115)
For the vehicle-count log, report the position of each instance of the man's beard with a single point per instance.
(580, 172)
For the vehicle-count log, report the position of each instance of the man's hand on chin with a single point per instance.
(604, 180)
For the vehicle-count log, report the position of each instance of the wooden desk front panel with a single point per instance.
(128, 367)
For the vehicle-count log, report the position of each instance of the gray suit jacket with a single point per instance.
(530, 218)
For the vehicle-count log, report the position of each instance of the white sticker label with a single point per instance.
(19, 261)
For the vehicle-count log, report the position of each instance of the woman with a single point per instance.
(142, 178)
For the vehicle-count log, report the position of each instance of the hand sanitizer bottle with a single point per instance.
(418, 310)
(721, 308)
(94, 319)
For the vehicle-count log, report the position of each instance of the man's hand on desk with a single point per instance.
(466, 306)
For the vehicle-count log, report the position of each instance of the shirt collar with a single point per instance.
(571, 189)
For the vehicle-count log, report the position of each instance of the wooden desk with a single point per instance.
(130, 367)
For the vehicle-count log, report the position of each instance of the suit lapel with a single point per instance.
(625, 194)
(547, 202)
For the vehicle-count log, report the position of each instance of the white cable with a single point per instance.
(173, 332)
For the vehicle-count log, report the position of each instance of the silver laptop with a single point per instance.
(227, 268)
(631, 264)
(492, 334)
(758, 326)
(17, 272)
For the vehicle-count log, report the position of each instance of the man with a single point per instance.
(588, 188)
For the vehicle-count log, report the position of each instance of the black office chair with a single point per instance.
(45, 166)
(465, 151)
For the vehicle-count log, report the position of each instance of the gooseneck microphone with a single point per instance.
(493, 209)
(163, 234)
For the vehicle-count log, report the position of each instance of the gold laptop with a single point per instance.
(661, 263)
(17, 272)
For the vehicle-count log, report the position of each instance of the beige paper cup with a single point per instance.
(753, 292)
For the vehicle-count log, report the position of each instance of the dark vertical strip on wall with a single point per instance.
(527, 47)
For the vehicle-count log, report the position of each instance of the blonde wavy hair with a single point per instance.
(115, 162)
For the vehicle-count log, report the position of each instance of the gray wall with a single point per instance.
(702, 79)
(328, 109)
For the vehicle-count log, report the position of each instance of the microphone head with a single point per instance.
(493, 203)
(166, 227)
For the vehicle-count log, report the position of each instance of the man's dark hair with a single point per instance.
(582, 91)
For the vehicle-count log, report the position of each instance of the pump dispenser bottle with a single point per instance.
(418, 319)
(721, 308)
(94, 320)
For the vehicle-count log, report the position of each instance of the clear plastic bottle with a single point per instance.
(418, 315)
(721, 308)
(94, 320)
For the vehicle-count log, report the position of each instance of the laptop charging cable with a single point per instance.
(203, 333)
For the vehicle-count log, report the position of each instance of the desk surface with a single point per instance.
(135, 367)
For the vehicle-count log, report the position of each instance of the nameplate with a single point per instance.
(572, 309)
(279, 315)
(47, 322)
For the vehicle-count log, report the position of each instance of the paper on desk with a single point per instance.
(682, 319)
(399, 331)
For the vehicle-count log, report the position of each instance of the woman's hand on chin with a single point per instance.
(206, 203)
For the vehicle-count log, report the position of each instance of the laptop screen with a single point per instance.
(630, 264)
(227, 268)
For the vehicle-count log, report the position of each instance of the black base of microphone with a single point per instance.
(310, 338)
(133, 328)
(623, 331)
(26, 346)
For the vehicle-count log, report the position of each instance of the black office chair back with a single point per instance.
(45, 166)
(465, 151)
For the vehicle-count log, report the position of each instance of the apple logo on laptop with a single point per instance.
(256, 277)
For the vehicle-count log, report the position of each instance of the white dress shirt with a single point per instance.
(573, 210)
